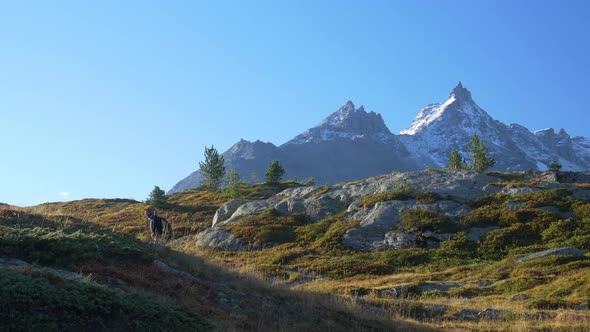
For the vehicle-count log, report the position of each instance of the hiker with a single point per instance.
(160, 228)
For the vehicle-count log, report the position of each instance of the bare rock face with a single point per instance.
(217, 238)
(226, 210)
(452, 192)
(566, 251)
(400, 240)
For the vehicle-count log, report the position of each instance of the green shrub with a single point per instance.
(581, 210)
(275, 234)
(407, 257)
(497, 243)
(491, 199)
(36, 301)
(418, 221)
(427, 197)
(458, 247)
(403, 191)
(568, 232)
(518, 284)
(433, 294)
(269, 227)
(561, 198)
(60, 247)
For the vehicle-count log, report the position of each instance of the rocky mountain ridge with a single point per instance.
(441, 194)
(352, 143)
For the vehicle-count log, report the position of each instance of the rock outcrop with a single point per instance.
(566, 251)
(450, 196)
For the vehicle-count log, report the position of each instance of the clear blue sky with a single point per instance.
(109, 98)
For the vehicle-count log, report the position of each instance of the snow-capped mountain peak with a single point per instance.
(347, 123)
(459, 105)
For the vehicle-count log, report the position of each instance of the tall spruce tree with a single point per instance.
(275, 172)
(157, 198)
(212, 169)
(478, 154)
(456, 161)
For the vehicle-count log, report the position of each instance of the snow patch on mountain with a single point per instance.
(347, 123)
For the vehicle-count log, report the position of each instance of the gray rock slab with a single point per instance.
(226, 210)
(217, 238)
(566, 251)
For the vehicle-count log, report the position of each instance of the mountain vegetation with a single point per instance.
(458, 257)
(275, 172)
(157, 198)
(212, 168)
(478, 155)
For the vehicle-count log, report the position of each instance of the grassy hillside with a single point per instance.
(124, 283)
(303, 274)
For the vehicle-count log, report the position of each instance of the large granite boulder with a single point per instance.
(226, 210)
(217, 238)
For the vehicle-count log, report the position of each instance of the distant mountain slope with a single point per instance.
(352, 143)
(347, 145)
(440, 127)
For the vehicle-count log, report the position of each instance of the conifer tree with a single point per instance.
(478, 154)
(212, 169)
(234, 185)
(275, 172)
(554, 167)
(456, 162)
(157, 198)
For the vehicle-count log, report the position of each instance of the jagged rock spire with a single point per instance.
(461, 93)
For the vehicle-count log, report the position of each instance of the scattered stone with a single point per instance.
(217, 238)
(493, 314)
(114, 282)
(518, 191)
(400, 240)
(394, 291)
(519, 297)
(13, 262)
(468, 314)
(439, 286)
(476, 233)
(63, 273)
(17, 263)
(557, 211)
(513, 205)
(566, 251)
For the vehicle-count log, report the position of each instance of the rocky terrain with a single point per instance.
(440, 193)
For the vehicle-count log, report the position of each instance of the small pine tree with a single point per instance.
(478, 154)
(234, 186)
(212, 169)
(555, 167)
(456, 162)
(275, 172)
(157, 198)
